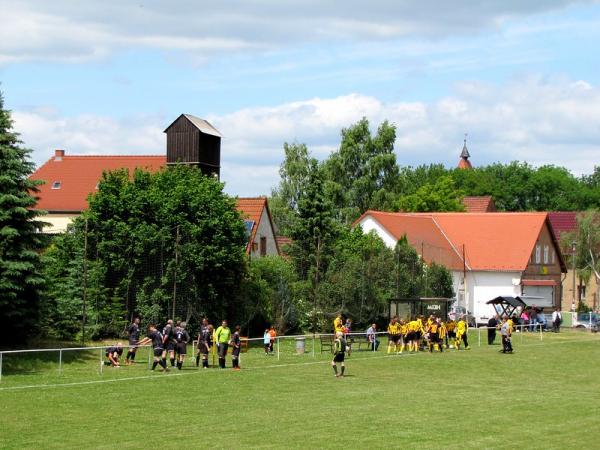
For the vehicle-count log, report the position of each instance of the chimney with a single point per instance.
(58, 155)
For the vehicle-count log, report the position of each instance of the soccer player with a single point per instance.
(182, 337)
(156, 338)
(113, 354)
(236, 347)
(134, 336)
(403, 335)
(412, 337)
(222, 336)
(506, 332)
(451, 335)
(204, 343)
(169, 342)
(339, 350)
(442, 332)
(420, 333)
(462, 330)
(393, 334)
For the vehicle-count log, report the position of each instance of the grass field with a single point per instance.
(546, 395)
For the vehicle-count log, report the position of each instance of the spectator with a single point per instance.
(525, 320)
(532, 319)
(505, 332)
(267, 341)
(556, 320)
(492, 325)
(541, 319)
(347, 336)
(372, 337)
(272, 335)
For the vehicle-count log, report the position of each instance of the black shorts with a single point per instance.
(418, 334)
(223, 350)
(170, 346)
(235, 352)
(339, 357)
(393, 338)
(410, 336)
(158, 352)
(133, 345)
(434, 338)
(451, 334)
(181, 348)
(203, 350)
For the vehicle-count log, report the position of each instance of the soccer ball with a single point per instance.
(451, 346)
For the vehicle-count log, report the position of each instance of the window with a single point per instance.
(546, 254)
(263, 246)
(56, 185)
(538, 254)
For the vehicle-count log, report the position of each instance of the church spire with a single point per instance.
(464, 162)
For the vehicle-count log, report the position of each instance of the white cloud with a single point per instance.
(555, 121)
(63, 30)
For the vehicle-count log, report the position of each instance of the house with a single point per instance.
(489, 254)
(259, 223)
(70, 179)
(585, 291)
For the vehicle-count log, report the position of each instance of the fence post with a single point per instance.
(101, 362)
(60, 361)
(1, 366)
(277, 348)
(150, 351)
(478, 337)
(313, 349)
(541, 333)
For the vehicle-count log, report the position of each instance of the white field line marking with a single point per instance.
(272, 366)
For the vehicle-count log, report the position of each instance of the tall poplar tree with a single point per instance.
(20, 240)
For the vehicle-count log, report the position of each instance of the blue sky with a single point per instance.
(521, 78)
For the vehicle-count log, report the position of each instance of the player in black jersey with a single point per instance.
(134, 336)
(204, 343)
(113, 354)
(169, 342)
(156, 338)
(182, 337)
(236, 347)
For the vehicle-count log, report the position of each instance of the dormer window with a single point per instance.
(56, 185)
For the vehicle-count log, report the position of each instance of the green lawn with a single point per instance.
(546, 395)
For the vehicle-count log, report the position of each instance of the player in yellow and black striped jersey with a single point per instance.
(461, 333)
(451, 333)
(420, 332)
(393, 334)
(412, 336)
(403, 335)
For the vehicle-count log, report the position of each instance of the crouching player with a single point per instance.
(339, 350)
(156, 338)
(113, 354)
(182, 337)
(461, 333)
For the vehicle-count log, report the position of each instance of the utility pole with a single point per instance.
(175, 271)
(573, 306)
(85, 282)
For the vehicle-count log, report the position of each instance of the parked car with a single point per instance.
(586, 320)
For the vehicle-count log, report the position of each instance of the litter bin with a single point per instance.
(300, 345)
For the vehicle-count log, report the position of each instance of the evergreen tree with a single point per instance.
(20, 240)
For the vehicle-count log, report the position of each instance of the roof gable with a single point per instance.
(202, 125)
(252, 209)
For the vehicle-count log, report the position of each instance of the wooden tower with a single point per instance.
(194, 141)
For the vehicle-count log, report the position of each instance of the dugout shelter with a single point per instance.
(506, 306)
(408, 308)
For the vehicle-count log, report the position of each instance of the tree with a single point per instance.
(441, 196)
(363, 173)
(587, 246)
(294, 173)
(20, 238)
(169, 244)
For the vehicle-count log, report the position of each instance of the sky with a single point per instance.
(521, 78)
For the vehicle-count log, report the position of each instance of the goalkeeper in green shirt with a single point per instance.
(222, 337)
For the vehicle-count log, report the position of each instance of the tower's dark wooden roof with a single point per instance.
(202, 125)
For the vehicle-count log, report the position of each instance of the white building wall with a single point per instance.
(264, 230)
(57, 223)
(369, 224)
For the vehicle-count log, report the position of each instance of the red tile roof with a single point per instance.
(483, 203)
(79, 175)
(562, 221)
(464, 164)
(492, 241)
(252, 209)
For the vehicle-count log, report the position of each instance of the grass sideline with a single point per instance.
(546, 395)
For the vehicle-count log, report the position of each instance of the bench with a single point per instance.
(326, 343)
(243, 344)
(353, 342)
